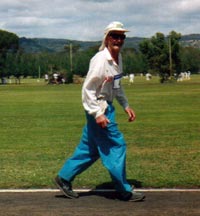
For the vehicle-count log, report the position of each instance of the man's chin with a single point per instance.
(117, 47)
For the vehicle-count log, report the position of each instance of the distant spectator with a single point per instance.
(131, 78)
(188, 75)
(3, 80)
(148, 76)
(55, 77)
(46, 77)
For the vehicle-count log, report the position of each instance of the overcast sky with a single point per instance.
(86, 19)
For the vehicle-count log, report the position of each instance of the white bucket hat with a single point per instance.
(113, 26)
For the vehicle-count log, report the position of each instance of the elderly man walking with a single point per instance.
(101, 137)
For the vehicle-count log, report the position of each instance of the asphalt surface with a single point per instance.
(99, 204)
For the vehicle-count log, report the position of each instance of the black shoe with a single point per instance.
(132, 196)
(136, 197)
(65, 187)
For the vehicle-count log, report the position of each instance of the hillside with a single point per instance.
(34, 45)
(52, 45)
(192, 40)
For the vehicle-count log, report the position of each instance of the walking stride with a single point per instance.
(101, 137)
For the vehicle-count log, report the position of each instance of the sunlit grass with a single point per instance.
(41, 125)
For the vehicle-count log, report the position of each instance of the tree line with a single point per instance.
(158, 55)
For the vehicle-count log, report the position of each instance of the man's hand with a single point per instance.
(102, 121)
(131, 114)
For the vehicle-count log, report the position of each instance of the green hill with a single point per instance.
(192, 40)
(52, 45)
(33, 45)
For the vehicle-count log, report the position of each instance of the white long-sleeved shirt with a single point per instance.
(102, 84)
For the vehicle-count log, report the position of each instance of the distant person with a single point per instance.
(188, 75)
(148, 76)
(55, 77)
(101, 137)
(131, 78)
(46, 78)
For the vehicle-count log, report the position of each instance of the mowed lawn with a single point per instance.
(40, 125)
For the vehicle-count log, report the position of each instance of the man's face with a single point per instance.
(115, 40)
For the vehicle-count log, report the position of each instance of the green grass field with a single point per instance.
(40, 125)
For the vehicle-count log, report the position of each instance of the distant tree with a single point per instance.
(155, 52)
(128, 60)
(190, 59)
(82, 60)
(174, 51)
(133, 61)
(9, 43)
(162, 56)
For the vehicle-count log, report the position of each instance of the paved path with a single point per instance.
(99, 204)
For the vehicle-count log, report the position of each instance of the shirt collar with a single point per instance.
(108, 55)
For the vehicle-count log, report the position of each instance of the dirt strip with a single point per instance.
(99, 204)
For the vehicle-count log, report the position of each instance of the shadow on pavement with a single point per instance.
(99, 190)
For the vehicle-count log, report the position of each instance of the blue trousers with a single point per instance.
(107, 143)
